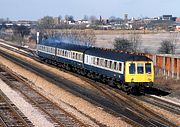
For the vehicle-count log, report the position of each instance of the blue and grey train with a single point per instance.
(126, 70)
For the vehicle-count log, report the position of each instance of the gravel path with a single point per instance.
(30, 112)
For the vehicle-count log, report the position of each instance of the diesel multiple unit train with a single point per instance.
(126, 70)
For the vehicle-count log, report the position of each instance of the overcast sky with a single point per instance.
(35, 9)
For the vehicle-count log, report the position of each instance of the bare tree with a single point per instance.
(86, 18)
(59, 17)
(168, 46)
(93, 19)
(46, 22)
(112, 19)
(69, 18)
(20, 32)
(136, 40)
(88, 37)
(147, 51)
(78, 37)
(122, 44)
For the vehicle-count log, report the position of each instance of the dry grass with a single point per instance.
(112, 32)
(169, 84)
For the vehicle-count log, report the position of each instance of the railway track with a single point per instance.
(10, 115)
(117, 97)
(126, 114)
(144, 117)
(57, 115)
(122, 99)
(171, 107)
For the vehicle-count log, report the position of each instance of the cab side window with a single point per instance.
(148, 68)
(132, 69)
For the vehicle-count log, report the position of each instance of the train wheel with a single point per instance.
(111, 82)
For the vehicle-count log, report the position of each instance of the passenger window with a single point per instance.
(148, 68)
(93, 59)
(73, 54)
(79, 57)
(132, 69)
(120, 66)
(102, 62)
(140, 68)
(86, 59)
(60, 52)
(76, 57)
(66, 53)
(115, 65)
(105, 63)
(110, 64)
(97, 61)
(63, 53)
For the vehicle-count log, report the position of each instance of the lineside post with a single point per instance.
(178, 68)
(172, 67)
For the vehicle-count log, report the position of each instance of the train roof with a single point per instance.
(66, 46)
(117, 55)
(105, 53)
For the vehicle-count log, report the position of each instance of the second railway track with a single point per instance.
(10, 115)
(58, 115)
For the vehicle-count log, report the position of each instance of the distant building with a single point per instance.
(167, 17)
(157, 18)
(100, 19)
(125, 17)
(24, 22)
(83, 22)
(178, 19)
(178, 26)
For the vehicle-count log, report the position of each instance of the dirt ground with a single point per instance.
(168, 84)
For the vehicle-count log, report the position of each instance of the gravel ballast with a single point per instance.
(33, 114)
(71, 103)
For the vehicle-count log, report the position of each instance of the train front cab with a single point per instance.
(139, 73)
